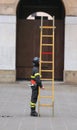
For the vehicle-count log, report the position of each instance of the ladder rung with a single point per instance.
(47, 27)
(47, 79)
(48, 89)
(47, 44)
(45, 96)
(47, 70)
(47, 35)
(46, 105)
(46, 61)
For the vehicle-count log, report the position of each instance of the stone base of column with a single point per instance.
(70, 77)
(8, 76)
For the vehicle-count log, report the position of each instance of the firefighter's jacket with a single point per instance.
(35, 77)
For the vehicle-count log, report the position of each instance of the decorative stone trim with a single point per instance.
(70, 77)
(8, 7)
(7, 76)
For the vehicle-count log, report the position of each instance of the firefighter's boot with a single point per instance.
(33, 112)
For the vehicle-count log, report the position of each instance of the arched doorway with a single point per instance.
(28, 35)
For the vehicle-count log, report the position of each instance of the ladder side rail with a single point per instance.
(41, 31)
(53, 72)
(53, 59)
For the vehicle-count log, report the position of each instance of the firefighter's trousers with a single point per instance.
(34, 95)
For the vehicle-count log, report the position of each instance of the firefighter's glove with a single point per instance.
(42, 87)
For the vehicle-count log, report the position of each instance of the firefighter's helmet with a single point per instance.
(36, 61)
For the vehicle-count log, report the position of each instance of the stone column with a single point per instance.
(7, 48)
(70, 59)
(8, 40)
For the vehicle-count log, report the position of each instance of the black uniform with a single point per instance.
(35, 84)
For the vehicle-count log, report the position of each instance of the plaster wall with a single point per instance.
(7, 46)
(70, 59)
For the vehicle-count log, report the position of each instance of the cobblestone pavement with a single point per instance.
(15, 111)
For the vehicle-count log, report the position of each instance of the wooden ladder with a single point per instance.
(46, 67)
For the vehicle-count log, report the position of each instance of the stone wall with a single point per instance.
(70, 7)
(9, 7)
(8, 32)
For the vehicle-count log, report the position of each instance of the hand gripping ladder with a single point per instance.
(47, 60)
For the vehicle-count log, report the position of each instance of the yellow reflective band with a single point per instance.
(32, 104)
(37, 74)
(32, 77)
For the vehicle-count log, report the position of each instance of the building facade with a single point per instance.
(8, 41)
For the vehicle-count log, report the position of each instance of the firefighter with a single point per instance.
(35, 84)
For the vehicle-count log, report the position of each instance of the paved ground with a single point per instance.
(15, 112)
